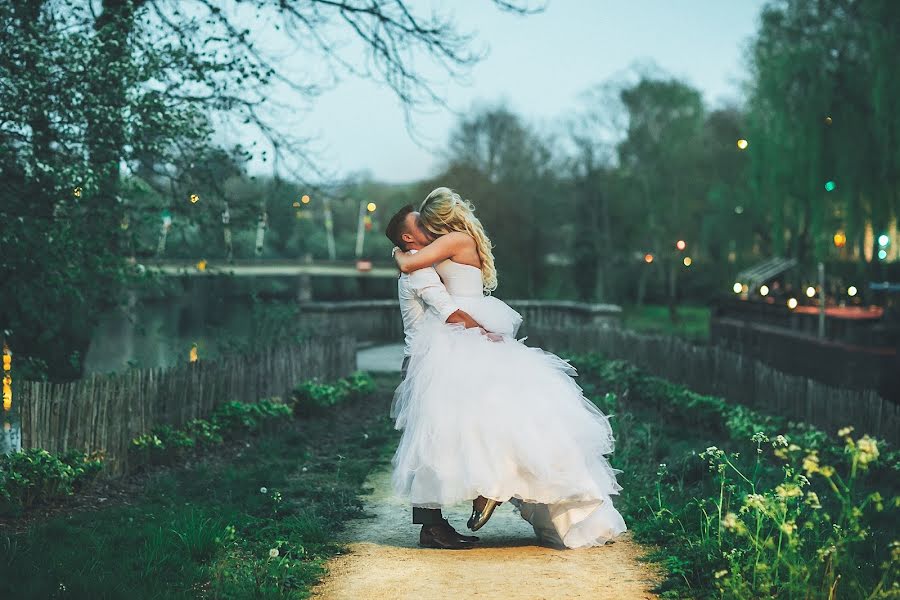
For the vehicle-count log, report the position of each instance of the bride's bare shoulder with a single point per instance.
(460, 239)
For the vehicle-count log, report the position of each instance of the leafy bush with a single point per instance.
(313, 396)
(249, 416)
(31, 476)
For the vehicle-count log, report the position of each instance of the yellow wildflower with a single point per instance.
(788, 527)
(845, 431)
(868, 449)
(811, 463)
(788, 490)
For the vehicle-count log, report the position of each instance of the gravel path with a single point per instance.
(384, 561)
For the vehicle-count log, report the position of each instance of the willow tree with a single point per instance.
(822, 137)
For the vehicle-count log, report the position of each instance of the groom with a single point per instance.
(420, 292)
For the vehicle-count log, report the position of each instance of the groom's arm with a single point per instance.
(428, 285)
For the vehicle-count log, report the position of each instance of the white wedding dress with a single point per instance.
(504, 421)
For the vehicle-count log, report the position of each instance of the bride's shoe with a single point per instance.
(480, 517)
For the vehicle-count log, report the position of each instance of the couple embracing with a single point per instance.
(484, 417)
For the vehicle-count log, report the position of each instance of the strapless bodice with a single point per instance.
(460, 279)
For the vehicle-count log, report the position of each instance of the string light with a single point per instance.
(687, 261)
(830, 186)
(371, 207)
(742, 144)
(648, 258)
(193, 354)
(840, 239)
(737, 287)
(7, 378)
(764, 290)
(810, 292)
(305, 199)
(681, 244)
(852, 291)
(792, 303)
(201, 266)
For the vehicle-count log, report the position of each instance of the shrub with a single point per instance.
(28, 477)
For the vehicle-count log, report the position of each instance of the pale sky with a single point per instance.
(538, 65)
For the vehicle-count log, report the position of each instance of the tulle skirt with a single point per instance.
(505, 421)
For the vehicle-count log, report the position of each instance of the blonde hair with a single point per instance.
(444, 211)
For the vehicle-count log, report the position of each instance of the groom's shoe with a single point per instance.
(468, 538)
(480, 517)
(439, 536)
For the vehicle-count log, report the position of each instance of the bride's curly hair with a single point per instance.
(444, 211)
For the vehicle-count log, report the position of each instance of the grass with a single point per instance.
(256, 519)
(692, 323)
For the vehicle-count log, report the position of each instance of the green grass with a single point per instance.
(692, 322)
(207, 530)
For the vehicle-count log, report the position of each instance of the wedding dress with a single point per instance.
(502, 420)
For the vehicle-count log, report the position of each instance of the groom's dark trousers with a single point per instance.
(422, 516)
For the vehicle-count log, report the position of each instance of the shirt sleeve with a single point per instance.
(428, 285)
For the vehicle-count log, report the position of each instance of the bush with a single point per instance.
(32, 476)
(313, 397)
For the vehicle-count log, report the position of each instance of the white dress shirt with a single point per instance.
(422, 292)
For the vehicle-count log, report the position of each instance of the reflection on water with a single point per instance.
(164, 333)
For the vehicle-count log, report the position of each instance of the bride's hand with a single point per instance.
(494, 337)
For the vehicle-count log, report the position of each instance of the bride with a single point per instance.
(489, 417)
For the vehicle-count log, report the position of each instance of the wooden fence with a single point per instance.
(737, 377)
(105, 412)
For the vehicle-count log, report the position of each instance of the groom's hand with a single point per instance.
(464, 318)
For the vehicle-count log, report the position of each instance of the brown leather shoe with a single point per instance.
(439, 536)
(462, 536)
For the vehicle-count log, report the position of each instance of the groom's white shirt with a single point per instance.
(420, 292)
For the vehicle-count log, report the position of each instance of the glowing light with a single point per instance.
(7, 378)
(77, 192)
(201, 266)
(883, 240)
(371, 207)
(296, 204)
(687, 261)
(792, 303)
(681, 244)
(195, 198)
(840, 239)
(764, 290)
(852, 291)
(737, 287)
(830, 185)
(810, 292)
(194, 353)
(738, 210)
(828, 120)
(882, 254)
(304, 199)
(648, 258)
(742, 144)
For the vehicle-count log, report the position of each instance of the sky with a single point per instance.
(538, 65)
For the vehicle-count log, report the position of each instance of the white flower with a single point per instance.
(273, 553)
(263, 490)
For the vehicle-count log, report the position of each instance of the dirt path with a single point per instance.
(385, 562)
